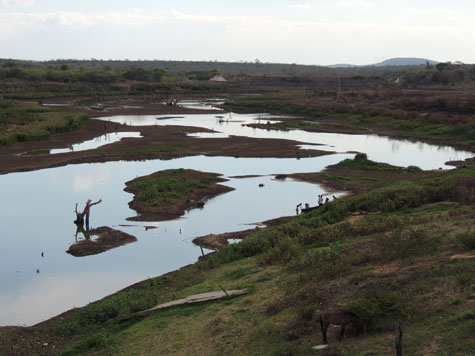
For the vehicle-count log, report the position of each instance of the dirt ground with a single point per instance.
(218, 241)
(147, 147)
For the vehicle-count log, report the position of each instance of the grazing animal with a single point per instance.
(339, 318)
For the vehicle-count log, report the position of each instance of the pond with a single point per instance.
(39, 280)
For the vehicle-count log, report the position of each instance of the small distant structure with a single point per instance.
(218, 78)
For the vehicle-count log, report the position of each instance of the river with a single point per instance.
(39, 280)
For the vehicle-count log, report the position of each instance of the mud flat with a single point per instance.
(107, 239)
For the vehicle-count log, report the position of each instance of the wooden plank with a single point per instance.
(196, 298)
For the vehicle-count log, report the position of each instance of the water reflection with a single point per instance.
(208, 104)
(65, 281)
(98, 240)
(159, 250)
(48, 295)
(91, 144)
(378, 148)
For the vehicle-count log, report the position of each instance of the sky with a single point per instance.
(318, 32)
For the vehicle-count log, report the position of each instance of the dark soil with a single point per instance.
(107, 239)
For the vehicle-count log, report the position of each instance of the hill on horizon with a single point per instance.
(392, 62)
(410, 61)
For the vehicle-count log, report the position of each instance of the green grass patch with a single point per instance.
(361, 161)
(157, 191)
(24, 122)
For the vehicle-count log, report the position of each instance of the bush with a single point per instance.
(378, 308)
(467, 238)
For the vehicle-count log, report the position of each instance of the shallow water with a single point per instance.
(38, 212)
(94, 143)
(39, 218)
(397, 152)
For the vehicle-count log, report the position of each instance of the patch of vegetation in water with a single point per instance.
(24, 122)
(156, 191)
(361, 161)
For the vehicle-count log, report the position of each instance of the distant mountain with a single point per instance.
(392, 62)
(404, 62)
(343, 65)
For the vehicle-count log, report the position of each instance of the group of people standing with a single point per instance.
(321, 201)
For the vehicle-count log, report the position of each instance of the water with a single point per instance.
(38, 217)
(95, 142)
(397, 152)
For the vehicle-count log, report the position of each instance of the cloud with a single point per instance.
(10, 3)
(300, 6)
(435, 12)
(354, 4)
(198, 36)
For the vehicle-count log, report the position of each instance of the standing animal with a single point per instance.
(339, 318)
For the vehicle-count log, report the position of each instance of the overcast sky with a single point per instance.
(305, 32)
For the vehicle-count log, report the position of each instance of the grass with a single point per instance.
(278, 316)
(361, 161)
(23, 122)
(467, 238)
(387, 266)
(163, 190)
(356, 115)
(392, 263)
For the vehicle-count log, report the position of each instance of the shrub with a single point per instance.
(378, 308)
(467, 238)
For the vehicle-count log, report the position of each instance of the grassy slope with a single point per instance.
(392, 261)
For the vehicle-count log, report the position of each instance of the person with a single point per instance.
(320, 200)
(307, 206)
(297, 208)
(327, 200)
(334, 197)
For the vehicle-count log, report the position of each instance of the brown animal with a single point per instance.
(339, 318)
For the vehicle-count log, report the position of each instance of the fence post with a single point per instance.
(399, 338)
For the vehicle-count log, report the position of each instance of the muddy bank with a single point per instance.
(218, 241)
(171, 203)
(106, 239)
(131, 106)
(158, 142)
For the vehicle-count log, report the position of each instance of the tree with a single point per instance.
(157, 74)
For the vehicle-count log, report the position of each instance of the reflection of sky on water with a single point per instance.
(97, 142)
(209, 104)
(39, 219)
(48, 295)
(378, 148)
(39, 211)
